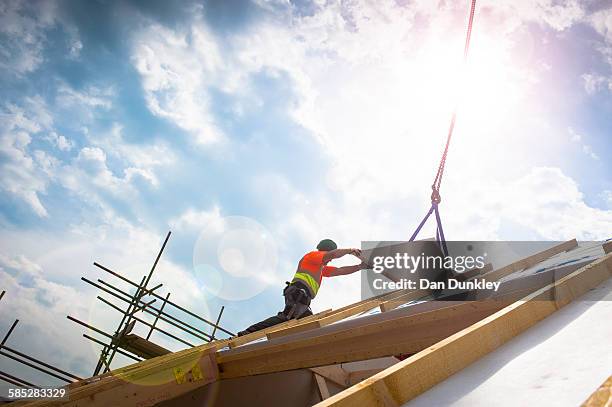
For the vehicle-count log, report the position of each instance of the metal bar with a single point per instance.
(145, 322)
(217, 323)
(40, 362)
(33, 366)
(101, 332)
(11, 381)
(99, 342)
(16, 383)
(102, 359)
(161, 309)
(157, 258)
(126, 314)
(149, 292)
(163, 316)
(10, 376)
(161, 298)
(93, 328)
(105, 363)
(6, 379)
(8, 334)
(144, 306)
(155, 309)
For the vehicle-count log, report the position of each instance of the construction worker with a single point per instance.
(306, 282)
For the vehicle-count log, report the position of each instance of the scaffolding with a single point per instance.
(30, 361)
(122, 341)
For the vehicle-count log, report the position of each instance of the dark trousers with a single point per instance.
(297, 305)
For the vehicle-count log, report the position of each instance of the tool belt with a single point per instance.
(297, 299)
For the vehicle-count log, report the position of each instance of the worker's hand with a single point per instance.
(356, 253)
(364, 266)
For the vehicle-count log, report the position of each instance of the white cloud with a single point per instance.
(28, 171)
(372, 84)
(593, 83)
(140, 160)
(92, 160)
(19, 263)
(174, 68)
(90, 170)
(75, 48)
(560, 15)
(586, 148)
(23, 172)
(24, 25)
(551, 203)
(61, 142)
(90, 97)
(602, 22)
(197, 220)
(607, 197)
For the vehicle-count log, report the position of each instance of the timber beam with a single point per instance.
(395, 332)
(413, 376)
(530, 261)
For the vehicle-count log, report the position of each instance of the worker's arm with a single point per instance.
(341, 271)
(337, 253)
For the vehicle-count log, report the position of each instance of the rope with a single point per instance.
(435, 186)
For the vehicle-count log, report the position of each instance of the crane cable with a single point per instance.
(435, 187)
(435, 196)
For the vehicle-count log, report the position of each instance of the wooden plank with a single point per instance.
(360, 375)
(377, 337)
(351, 340)
(242, 340)
(335, 316)
(411, 377)
(87, 388)
(602, 397)
(294, 323)
(146, 384)
(401, 300)
(475, 272)
(142, 347)
(530, 261)
(338, 316)
(334, 373)
(323, 390)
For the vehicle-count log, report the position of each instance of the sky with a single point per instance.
(252, 130)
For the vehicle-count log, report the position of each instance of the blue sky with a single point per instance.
(258, 128)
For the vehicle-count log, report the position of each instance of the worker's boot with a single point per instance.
(266, 323)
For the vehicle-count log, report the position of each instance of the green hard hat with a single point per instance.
(327, 245)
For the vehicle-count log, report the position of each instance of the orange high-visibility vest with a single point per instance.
(311, 271)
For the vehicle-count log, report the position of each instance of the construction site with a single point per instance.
(530, 329)
(400, 348)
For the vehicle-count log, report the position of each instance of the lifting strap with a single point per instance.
(435, 186)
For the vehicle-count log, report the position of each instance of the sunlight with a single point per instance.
(484, 89)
